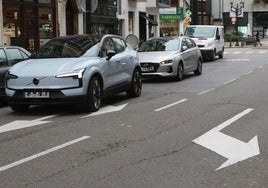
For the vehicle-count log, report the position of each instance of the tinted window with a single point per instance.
(107, 45)
(14, 55)
(67, 47)
(164, 44)
(190, 43)
(3, 59)
(120, 45)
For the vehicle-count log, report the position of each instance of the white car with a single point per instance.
(80, 69)
(170, 57)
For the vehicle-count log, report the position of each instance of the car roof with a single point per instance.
(169, 37)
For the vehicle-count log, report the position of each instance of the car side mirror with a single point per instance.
(184, 48)
(218, 37)
(110, 54)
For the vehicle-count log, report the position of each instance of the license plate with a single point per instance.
(147, 69)
(36, 94)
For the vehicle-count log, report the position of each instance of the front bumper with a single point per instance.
(55, 97)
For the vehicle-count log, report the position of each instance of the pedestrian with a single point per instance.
(258, 39)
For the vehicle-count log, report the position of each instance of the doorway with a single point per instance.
(71, 18)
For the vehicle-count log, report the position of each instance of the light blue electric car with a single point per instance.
(80, 69)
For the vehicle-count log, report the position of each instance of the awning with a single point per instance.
(150, 20)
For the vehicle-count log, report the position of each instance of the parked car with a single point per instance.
(209, 38)
(170, 57)
(10, 55)
(75, 69)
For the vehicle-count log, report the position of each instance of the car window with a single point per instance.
(67, 47)
(14, 55)
(190, 44)
(184, 43)
(167, 44)
(120, 45)
(106, 46)
(3, 59)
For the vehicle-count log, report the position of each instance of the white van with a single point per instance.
(209, 38)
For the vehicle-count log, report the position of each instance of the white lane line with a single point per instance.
(226, 83)
(206, 91)
(249, 52)
(226, 52)
(236, 52)
(248, 72)
(170, 105)
(17, 163)
(260, 66)
(262, 52)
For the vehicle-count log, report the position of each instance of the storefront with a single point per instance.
(103, 20)
(28, 23)
(170, 19)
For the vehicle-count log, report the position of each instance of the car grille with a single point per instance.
(149, 67)
(201, 46)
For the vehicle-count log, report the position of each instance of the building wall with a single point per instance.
(255, 18)
(1, 23)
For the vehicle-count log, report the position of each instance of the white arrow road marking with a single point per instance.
(20, 124)
(107, 109)
(231, 148)
(17, 163)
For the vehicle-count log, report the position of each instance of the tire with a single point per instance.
(19, 107)
(212, 58)
(94, 95)
(136, 85)
(179, 75)
(198, 70)
(221, 54)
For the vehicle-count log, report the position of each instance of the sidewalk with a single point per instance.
(263, 41)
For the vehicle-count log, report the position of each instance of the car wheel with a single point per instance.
(19, 107)
(221, 54)
(198, 70)
(94, 95)
(213, 56)
(179, 76)
(136, 85)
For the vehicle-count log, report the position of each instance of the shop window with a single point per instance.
(44, 1)
(45, 25)
(11, 26)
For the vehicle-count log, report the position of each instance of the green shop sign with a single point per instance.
(170, 17)
(173, 13)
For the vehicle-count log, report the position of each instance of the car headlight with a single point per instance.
(166, 62)
(10, 76)
(208, 44)
(75, 74)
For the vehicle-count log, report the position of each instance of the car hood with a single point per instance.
(156, 56)
(50, 66)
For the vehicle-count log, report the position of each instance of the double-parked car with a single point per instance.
(78, 68)
(9, 56)
(170, 57)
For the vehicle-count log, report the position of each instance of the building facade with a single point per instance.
(31, 23)
(253, 19)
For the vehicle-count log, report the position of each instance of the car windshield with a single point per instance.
(200, 32)
(164, 44)
(68, 47)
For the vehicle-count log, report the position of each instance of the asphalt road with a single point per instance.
(207, 131)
